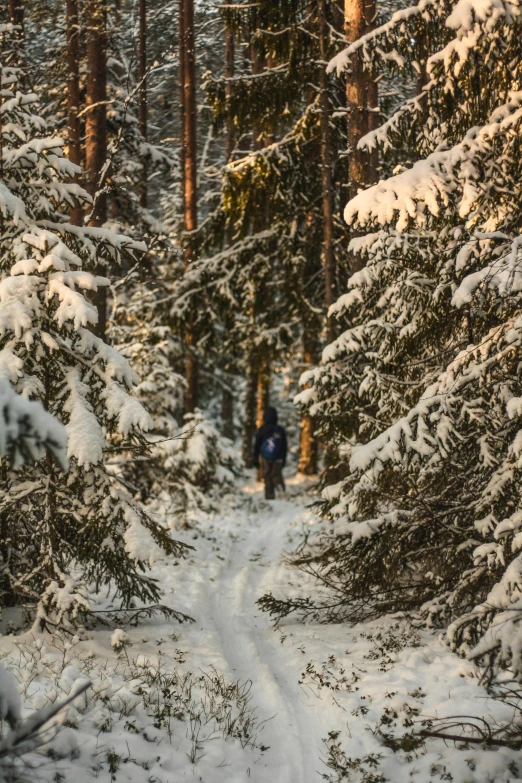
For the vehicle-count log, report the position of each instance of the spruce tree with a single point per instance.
(263, 247)
(66, 532)
(421, 389)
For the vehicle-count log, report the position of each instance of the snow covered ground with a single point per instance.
(163, 707)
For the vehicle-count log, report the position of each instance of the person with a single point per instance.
(270, 453)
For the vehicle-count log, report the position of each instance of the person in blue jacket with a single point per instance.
(270, 453)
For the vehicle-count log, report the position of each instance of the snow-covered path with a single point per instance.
(363, 672)
(253, 652)
(326, 697)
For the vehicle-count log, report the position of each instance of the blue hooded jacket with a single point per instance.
(269, 427)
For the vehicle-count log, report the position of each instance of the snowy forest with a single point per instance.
(260, 391)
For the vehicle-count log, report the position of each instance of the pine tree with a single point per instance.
(83, 522)
(200, 467)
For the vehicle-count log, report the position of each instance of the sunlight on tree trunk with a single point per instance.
(190, 193)
(308, 442)
(96, 131)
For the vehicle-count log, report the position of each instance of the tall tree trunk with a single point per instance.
(327, 187)
(227, 413)
(15, 12)
(370, 11)
(258, 66)
(355, 23)
(96, 129)
(190, 126)
(361, 94)
(308, 451)
(263, 390)
(15, 9)
(117, 12)
(263, 397)
(73, 97)
(229, 74)
(227, 400)
(181, 58)
(190, 195)
(249, 424)
(143, 106)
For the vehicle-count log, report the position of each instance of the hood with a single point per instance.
(270, 416)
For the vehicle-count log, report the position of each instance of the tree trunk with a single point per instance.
(258, 66)
(227, 414)
(308, 451)
(263, 391)
(73, 97)
(227, 401)
(249, 424)
(15, 9)
(327, 187)
(370, 11)
(181, 58)
(191, 371)
(361, 94)
(96, 130)
(117, 12)
(190, 195)
(229, 74)
(355, 23)
(15, 12)
(263, 398)
(143, 107)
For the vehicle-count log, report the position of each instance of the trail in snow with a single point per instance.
(308, 681)
(365, 672)
(253, 651)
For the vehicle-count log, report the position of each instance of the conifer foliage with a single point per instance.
(421, 391)
(249, 268)
(61, 532)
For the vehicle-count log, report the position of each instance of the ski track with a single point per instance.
(254, 653)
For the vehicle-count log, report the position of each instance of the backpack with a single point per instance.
(271, 447)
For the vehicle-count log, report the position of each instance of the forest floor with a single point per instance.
(231, 699)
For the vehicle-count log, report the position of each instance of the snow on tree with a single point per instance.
(60, 533)
(421, 390)
(188, 463)
(27, 431)
(263, 267)
(200, 465)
